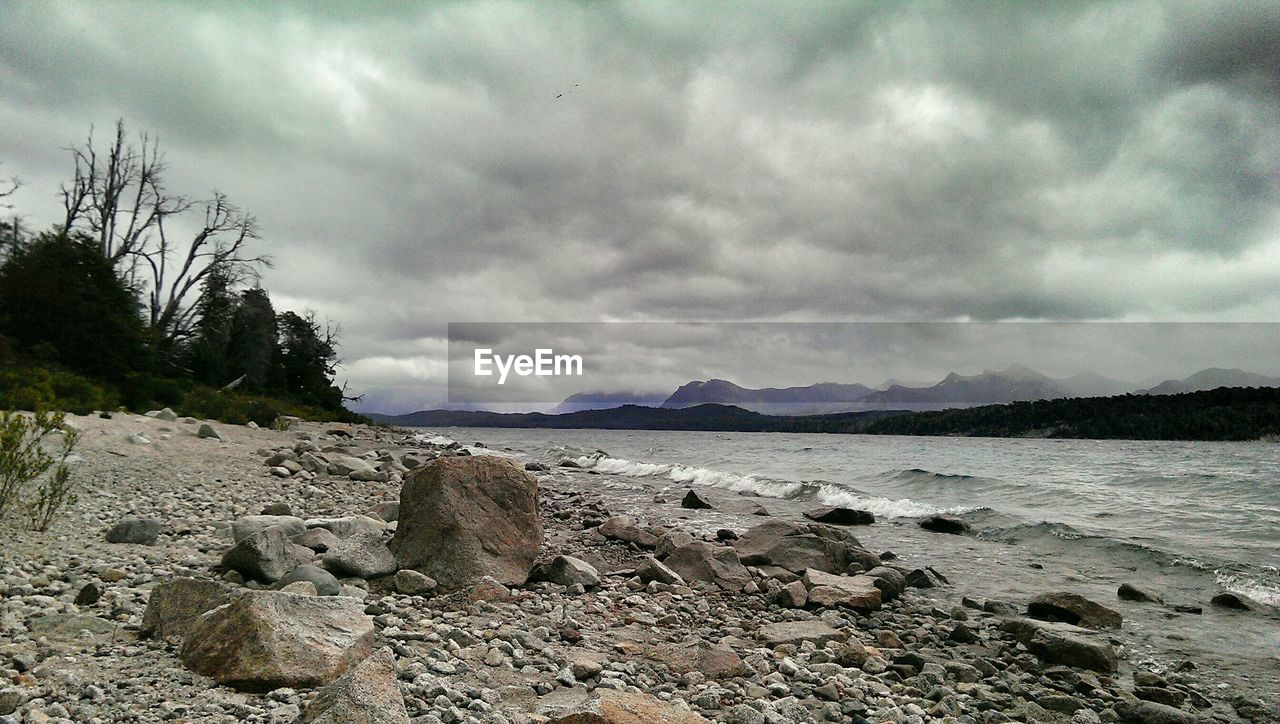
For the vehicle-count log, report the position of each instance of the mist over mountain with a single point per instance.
(1213, 378)
(607, 400)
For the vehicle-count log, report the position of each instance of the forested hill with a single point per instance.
(1223, 414)
(1227, 413)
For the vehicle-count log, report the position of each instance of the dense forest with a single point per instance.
(143, 297)
(1227, 413)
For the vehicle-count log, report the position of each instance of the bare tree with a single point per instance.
(119, 198)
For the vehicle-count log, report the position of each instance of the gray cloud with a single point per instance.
(414, 165)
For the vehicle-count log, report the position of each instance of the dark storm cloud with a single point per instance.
(419, 164)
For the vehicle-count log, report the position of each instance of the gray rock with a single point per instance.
(1062, 643)
(265, 640)
(801, 546)
(366, 694)
(624, 529)
(143, 531)
(567, 571)
(348, 525)
(944, 524)
(175, 605)
(317, 539)
(651, 569)
(388, 510)
(1074, 609)
(208, 431)
(671, 541)
(857, 592)
(841, 516)
(325, 583)
(362, 554)
(695, 501)
(412, 583)
(1130, 592)
(794, 633)
(701, 561)
(464, 518)
(1150, 712)
(890, 581)
(244, 527)
(265, 556)
(1240, 602)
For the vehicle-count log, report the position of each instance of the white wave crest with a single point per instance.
(881, 507)
(690, 475)
(1258, 591)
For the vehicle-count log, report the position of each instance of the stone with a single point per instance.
(388, 510)
(567, 571)
(277, 509)
(713, 662)
(624, 529)
(89, 594)
(651, 569)
(890, 581)
(857, 592)
(463, 518)
(1074, 609)
(317, 539)
(209, 431)
(1150, 712)
(347, 525)
(265, 556)
(142, 531)
(841, 516)
(489, 589)
(671, 541)
(701, 561)
(325, 583)
(412, 583)
(1130, 592)
(584, 668)
(801, 546)
(1239, 602)
(792, 595)
(175, 605)
(366, 694)
(695, 501)
(944, 524)
(922, 578)
(265, 640)
(363, 555)
(794, 633)
(164, 415)
(244, 527)
(1063, 643)
(301, 588)
(611, 706)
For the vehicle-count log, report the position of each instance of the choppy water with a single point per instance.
(1187, 519)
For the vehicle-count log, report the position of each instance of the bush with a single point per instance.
(37, 388)
(238, 409)
(24, 460)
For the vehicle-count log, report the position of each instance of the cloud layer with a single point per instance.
(501, 161)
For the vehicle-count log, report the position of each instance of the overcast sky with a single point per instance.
(797, 161)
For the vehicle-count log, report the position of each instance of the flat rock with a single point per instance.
(1130, 592)
(624, 529)
(175, 605)
(802, 546)
(651, 569)
(347, 525)
(857, 592)
(841, 516)
(265, 640)
(464, 518)
(702, 561)
(608, 706)
(797, 632)
(1063, 643)
(244, 527)
(142, 531)
(1150, 712)
(1074, 609)
(366, 694)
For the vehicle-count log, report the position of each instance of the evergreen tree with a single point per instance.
(209, 357)
(307, 359)
(252, 345)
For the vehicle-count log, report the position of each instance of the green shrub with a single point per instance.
(35, 388)
(24, 460)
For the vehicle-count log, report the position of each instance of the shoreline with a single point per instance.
(506, 651)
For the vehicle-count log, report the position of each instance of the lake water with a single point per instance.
(1186, 519)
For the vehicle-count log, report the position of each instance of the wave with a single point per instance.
(820, 491)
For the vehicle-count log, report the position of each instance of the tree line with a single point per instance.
(144, 296)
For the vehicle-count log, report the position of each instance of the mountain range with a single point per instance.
(1016, 383)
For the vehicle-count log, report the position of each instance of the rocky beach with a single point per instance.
(338, 573)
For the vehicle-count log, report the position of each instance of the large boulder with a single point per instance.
(264, 556)
(1063, 644)
(265, 640)
(1074, 609)
(244, 527)
(174, 605)
(567, 571)
(367, 694)
(362, 554)
(464, 518)
(798, 547)
(702, 561)
(857, 592)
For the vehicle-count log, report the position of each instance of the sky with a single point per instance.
(417, 164)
